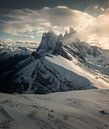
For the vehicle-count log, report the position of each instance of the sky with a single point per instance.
(26, 20)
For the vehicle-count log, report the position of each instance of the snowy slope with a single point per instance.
(69, 110)
(76, 67)
(55, 73)
(51, 74)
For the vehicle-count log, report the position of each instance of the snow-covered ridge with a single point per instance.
(48, 75)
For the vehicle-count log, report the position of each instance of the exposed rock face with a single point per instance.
(53, 44)
(61, 50)
(70, 34)
(48, 43)
(65, 46)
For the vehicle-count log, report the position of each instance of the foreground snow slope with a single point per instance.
(87, 109)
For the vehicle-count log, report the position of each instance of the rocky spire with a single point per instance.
(72, 31)
(60, 37)
(70, 35)
(66, 34)
(47, 44)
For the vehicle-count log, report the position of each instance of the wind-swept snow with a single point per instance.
(69, 110)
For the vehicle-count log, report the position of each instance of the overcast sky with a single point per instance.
(38, 4)
(26, 20)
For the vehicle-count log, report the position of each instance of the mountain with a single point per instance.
(61, 63)
(48, 75)
(9, 57)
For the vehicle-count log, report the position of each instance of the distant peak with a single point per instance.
(49, 33)
(72, 30)
(70, 34)
(66, 33)
(60, 37)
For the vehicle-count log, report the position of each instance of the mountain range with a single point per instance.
(59, 63)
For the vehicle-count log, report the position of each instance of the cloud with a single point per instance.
(60, 17)
(98, 30)
(101, 25)
(32, 22)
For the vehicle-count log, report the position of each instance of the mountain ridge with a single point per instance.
(89, 59)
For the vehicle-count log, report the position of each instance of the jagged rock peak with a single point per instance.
(72, 30)
(60, 37)
(49, 33)
(66, 33)
(70, 33)
(48, 43)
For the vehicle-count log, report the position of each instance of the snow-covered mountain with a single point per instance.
(50, 74)
(10, 56)
(61, 63)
